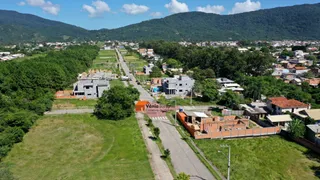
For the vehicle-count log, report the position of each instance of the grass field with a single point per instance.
(184, 102)
(73, 104)
(81, 147)
(262, 158)
(116, 82)
(106, 60)
(134, 62)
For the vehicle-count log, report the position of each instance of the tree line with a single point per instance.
(27, 88)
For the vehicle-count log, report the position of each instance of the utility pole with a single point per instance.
(229, 163)
(191, 97)
(229, 159)
(175, 105)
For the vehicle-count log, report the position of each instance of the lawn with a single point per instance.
(81, 147)
(106, 60)
(184, 102)
(73, 104)
(116, 82)
(134, 62)
(262, 158)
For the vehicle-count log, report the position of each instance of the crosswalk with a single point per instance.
(158, 118)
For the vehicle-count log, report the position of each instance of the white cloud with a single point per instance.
(177, 7)
(156, 14)
(97, 9)
(46, 6)
(21, 3)
(134, 9)
(211, 9)
(246, 6)
(51, 8)
(36, 2)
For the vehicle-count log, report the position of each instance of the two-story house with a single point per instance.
(178, 85)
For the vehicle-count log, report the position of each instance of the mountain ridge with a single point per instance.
(299, 22)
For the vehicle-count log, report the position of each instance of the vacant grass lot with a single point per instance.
(262, 158)
(116, 82)
(81, 147)
(106, 60)
(134, 62)
(73, 104)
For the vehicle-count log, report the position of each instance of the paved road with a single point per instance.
(159, 166)
(69, 111)
(182, 156)
(144, 95)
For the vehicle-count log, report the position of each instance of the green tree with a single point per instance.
(156, 132)
(210, 90)
(156, 72)
(296, 128)
(230, 99)
(173, 63)
(166, 153)
(182, 176)
(116, 104)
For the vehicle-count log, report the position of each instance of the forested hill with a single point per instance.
(16, 27)
(295, 22)
(299, 22)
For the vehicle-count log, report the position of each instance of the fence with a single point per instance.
(239, 133)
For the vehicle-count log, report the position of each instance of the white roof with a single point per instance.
(313, 113)
(196, 114)
(314, 127)
(279, 118)
(200, 114)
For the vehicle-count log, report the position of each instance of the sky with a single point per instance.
(98, 14)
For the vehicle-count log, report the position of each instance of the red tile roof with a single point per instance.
(285, 103)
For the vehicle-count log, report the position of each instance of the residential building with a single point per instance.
(204, 126)
(91, 86)
(313, 133)
(280, 120)
(309, 113)
(280, 105)
(142, 52)
(315, 82)
(178, 85)
(255, 112)
(227, 84)
(147, 69)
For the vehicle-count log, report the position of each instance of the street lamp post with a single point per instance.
(229, 157)
(175, 105)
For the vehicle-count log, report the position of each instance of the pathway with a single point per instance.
(159, 166)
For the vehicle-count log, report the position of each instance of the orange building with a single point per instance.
(201, 126)
(141, 106)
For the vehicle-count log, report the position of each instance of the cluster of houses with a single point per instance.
(254, 119)
(7, 56)
(295, 70)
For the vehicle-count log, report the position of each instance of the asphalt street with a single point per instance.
(182, 156)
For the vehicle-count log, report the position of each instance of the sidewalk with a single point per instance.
(159, 166)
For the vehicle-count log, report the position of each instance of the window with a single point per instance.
(180, 84)
(180, 90)
(89, 94)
